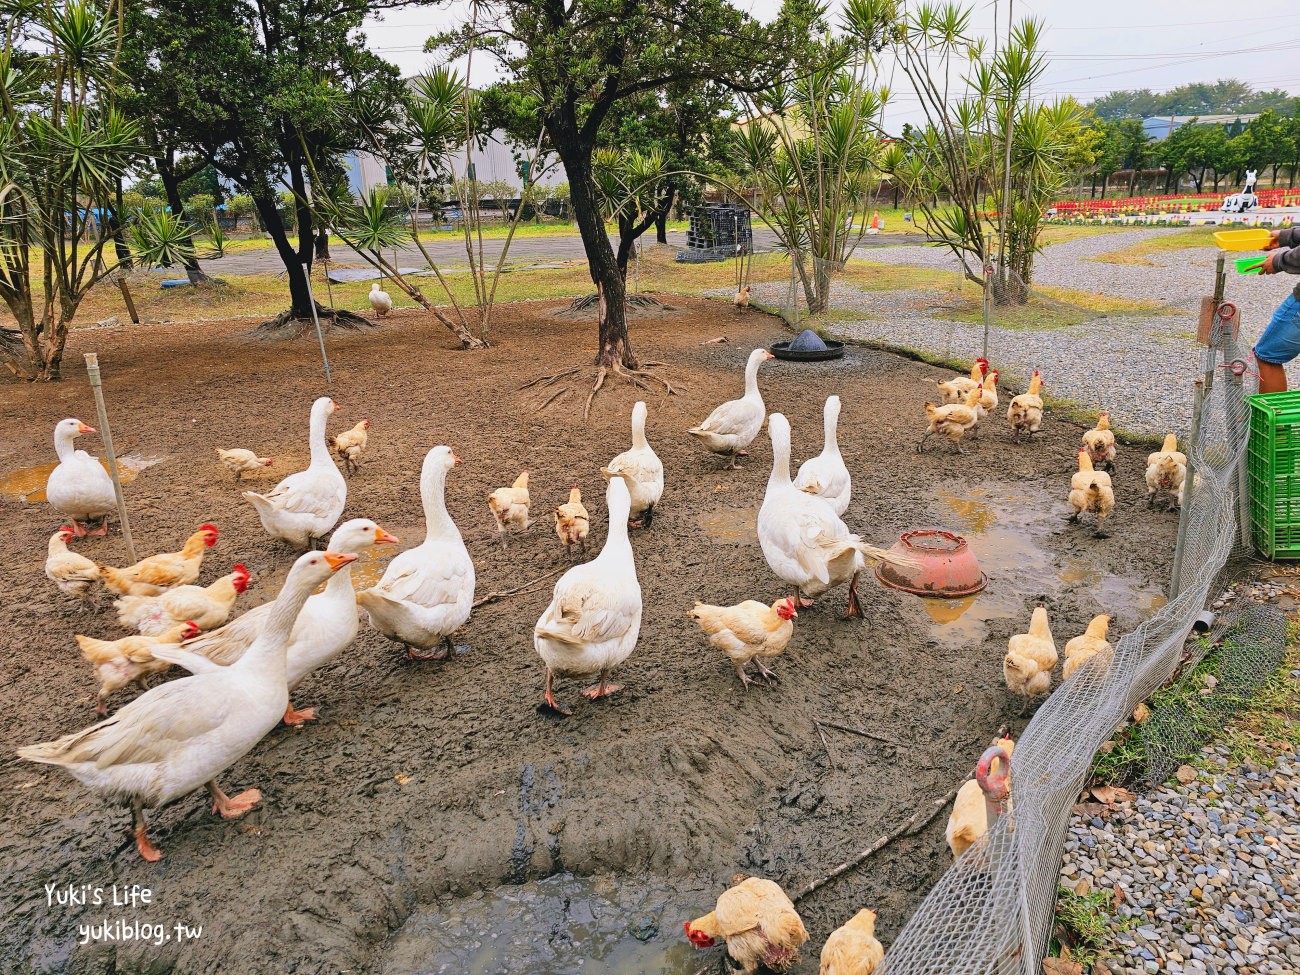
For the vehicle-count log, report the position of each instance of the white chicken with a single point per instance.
(802, 537)
(826, 476)
(74, 574)
(642, 471)
(380, 300)
(733, 426)
(306, 505)
(594, 619)
(241, 461)
(748, 631)
(207, 606)
(509, 507)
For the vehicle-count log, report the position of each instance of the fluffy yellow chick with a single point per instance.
(571, 521)
(1091, 492)
(241, 461)
(1030, 658)
(509, 507)
(1092, 643)
(853, 949)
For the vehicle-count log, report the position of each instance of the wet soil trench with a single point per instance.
(431, 820)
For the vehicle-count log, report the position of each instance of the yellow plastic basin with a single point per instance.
(1242, 240)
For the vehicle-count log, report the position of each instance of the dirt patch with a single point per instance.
(612, 826)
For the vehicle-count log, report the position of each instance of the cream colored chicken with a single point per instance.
(207, 606)
(240, 461)
(742, 298)
(74, 574)
(852, 949)
(969, 820)
(1100, 443)
(1091, 493)
(571, 521)
(119, 662)
(748, 631)
(757, 923)
(158, 573)
(1166, 473)
(509, 507)
(953, 421)
(1030, 658)
(1025, 412)
(641, 470)
(1092, 643)
(988, 396)
(956, 390)
(349, 445)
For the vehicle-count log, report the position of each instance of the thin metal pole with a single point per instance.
(988, 283)
(316, 319)
(92, 370)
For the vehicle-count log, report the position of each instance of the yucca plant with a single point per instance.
(811, 150)
(64, 147)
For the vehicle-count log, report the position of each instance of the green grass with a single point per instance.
(1140, 252)
(1269, 715)
(1048, 309)
(1088, 926)
(1064, 233)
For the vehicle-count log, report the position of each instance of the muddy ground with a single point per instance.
(432, 819)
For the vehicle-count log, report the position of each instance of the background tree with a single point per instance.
(1224, 97)
(254, 85)
(64, 149)
(1268, 142)
(584, 57)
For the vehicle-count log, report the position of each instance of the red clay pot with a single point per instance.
(944, 566)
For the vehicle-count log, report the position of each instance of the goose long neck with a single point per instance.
(780, 462)
(617, 541)
(320, 453)
(268, 651)
(638, 430)
(340, 583)
(751, 377)
(830, 425)
(432, 491)
(63, 444)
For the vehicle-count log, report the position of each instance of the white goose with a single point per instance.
(803, 539)
(733, 426)
(427, 592)
(79, 487)
(183, 734)
(641, 470)
(325, 628)
(306, 505)
(594, 619)
(825, 476)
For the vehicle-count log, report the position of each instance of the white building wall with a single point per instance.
(493, 161)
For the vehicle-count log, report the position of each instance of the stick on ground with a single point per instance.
(518, 590)
(919, 821)
(858, 731)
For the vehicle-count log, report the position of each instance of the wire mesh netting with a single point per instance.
(992, 911)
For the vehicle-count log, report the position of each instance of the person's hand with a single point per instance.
(1267, 267)
(1272, 240)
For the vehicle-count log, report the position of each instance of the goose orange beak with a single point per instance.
(456, 460)
(338, 560)
(83, 428)
(382, 536)
(768, 355)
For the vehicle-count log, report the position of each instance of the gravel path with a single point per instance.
(1209, 871)
(1139, 368)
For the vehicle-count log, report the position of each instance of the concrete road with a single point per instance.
(523, 251)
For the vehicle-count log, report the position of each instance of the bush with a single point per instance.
(199, 207)
(239, 205)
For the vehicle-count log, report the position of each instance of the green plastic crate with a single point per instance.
(1273, 466)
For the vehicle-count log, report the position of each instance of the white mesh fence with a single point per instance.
(992, 911)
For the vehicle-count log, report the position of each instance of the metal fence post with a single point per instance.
(320, 337)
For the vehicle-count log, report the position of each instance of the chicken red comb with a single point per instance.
(67, 528)
(207, 526)
(239, 569)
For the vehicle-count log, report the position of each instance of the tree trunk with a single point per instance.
(661, 228)
(615, 347)
(119, 239)
(300, 305)
(171, 188)
(322, 244)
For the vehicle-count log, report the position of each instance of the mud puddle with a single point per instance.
(1008, 527)
(28, 483)
(556, 926)
(731, 526)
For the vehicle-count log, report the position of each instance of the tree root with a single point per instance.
(553, 397)
(600, 381)
(641, 378)
(286, 325)
(632, 301)
(548, 380)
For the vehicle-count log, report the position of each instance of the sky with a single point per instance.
(1092, 47)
